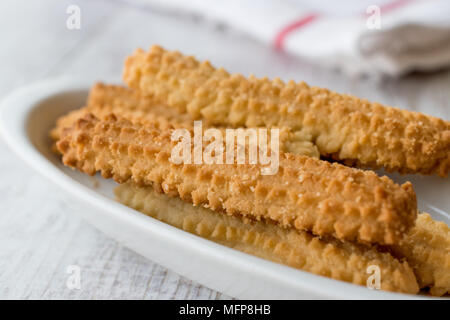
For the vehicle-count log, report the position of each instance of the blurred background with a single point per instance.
(395, 52)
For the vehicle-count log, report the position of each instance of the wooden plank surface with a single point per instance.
(40, 236)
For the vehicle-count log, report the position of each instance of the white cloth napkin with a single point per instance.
(391, 38)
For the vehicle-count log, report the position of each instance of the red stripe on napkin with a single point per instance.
(295, 25)
(393, 5)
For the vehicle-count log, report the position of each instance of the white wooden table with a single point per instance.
(39, 234)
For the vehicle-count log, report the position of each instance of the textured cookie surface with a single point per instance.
(305, 193)
(427, 250)
(127, 103)
(131, 105)
(298, 249)
(343, 127)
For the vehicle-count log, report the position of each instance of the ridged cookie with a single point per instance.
(427, 250)
(343, 127)
(305, 193)
(131, 105)
(298, 249)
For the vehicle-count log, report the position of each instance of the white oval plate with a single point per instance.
(28, 114)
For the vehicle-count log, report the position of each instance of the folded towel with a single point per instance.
(391, 38)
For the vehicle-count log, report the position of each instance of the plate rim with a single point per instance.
(13, 129)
